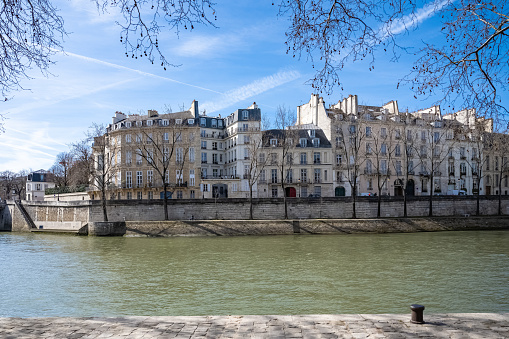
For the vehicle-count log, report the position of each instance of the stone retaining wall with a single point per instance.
(79, 213)
(309, 226)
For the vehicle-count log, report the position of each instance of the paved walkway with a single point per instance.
(468, 325)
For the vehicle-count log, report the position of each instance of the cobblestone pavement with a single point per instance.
(467, 325)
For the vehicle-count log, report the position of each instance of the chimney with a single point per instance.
(194, 109)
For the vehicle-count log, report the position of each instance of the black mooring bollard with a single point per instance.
(417, 317)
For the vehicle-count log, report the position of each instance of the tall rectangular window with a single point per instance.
(191, 154)
(304, 175)
(273, 174)
(129, 179)
(150, 177)
(139, 178)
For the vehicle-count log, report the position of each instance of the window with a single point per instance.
(190, 121)
(383, 166)
(246, 139)
(351, 129)
(129, 179)
(214, 145)
(316, 157)
(409, 135)
(398, 150)
(273, 142)
(487, 162)
(368, 131)
(214, 158)
(303, 142)
(191, 154)
(303, 159)
(463, 168)
(165, 122)
(179, 155)
(138, 138)
(149, 122)
(192, 181)
(179, 195)
(203, 122)
(273, 158)
(150, 156)
(303, 175)
(129, 195)
(410, 167)
(312, 133)
(245, 115)
(398, 168)
(316, 142)
(139, 123)
(289, 176)
(150, 195)
(325, 175)
(303, 191)
(191, 194)
(150, 177)
(128, 157)
(128, 124)
(261, 158)
(179, 177)
(436, 137)
(214, 123)
(273, 174)
(398, 134)
(139, 195)
(138, 157)
(423, 135)
(383, 132)
(128, 138)
(368, 148)
(339, 159)
(274, 192)
(204, 158)
(383, 149)
(318, 174)
(139, 178)
(262, 176)
(203, 145)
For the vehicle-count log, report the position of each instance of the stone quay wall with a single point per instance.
(309, 226)
(67, 215)
(273, 209)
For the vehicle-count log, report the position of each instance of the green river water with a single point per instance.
(57, 275)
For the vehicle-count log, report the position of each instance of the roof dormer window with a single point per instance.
(316, 142)
(245, 115)
(273, 142)
(149, 122)
(312, 133)
(303, 142)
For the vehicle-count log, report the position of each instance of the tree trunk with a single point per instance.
(251, 202)
(500, 199)
(103, 202)
(478, 210)
(354, 197)
(404, 205)
(378, 212)
(430, 212)
(165, 201)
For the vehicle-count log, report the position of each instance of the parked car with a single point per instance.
(314, 196)
(366, 194)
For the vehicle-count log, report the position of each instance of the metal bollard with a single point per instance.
(417, 317)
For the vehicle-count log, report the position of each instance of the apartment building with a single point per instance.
(341, 150)
(380, 150)
(37, 182)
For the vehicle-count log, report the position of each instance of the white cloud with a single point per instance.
(412, 20)
(256, 87)
(109, 64)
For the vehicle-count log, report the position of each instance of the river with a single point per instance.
(61, 275)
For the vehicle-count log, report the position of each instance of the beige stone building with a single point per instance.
(334, 151)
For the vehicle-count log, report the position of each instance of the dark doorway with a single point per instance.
(398, 188)
(410, 188)
(488, 190)
(219, 191)
(290, 192)
(339, 191)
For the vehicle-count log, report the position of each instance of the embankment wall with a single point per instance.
(76, 214)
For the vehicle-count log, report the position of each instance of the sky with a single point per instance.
(241, 61)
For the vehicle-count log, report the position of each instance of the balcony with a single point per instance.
(204, 161)
(316, 161)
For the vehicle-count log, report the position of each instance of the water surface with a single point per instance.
(56, 275)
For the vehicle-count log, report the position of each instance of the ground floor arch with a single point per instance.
(339, 191)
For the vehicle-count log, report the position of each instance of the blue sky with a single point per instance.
(224, 68)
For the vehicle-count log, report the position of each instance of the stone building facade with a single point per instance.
(341, 150)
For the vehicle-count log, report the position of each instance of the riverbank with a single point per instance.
(461, 325)
(302, 226)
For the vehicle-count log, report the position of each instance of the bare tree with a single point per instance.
(470, 65)
(353, 141)
(164, 150)
(285, 137)
(82, 154)
(104, 167)
(12, 184)
(61, 169)
(383, 152)
(257, 162)
(500, 149)
(32, 32)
